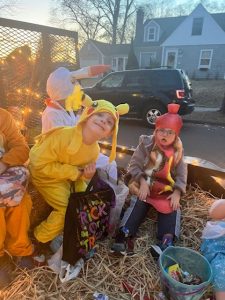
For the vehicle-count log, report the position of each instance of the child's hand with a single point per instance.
(143, 190)
(217, 210)
(89, 171)
(3, 167)
(175, 199)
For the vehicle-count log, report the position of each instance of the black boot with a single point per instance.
(41, 251)
(6, 269)
(24, 262)
(123, 243)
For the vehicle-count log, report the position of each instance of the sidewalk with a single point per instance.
(206, 115)
(205, 109)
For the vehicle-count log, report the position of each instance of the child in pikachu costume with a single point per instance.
(61, 109)
(66, 155)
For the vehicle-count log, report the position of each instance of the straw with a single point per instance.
(106, 273)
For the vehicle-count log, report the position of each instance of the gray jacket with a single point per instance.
(140, 159)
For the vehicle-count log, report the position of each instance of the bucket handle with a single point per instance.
(171, 258)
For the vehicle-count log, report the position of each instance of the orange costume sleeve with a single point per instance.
(16, 149)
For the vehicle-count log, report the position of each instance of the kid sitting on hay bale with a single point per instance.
(15, 202)
(65, 156)
(66, 96)
(157, 176)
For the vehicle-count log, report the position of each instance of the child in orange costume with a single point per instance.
(15, 203)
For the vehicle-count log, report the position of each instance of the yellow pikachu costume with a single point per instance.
(56, 160)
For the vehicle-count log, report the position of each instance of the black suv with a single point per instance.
(147, 91)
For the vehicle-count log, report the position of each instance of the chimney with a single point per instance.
(139, 26)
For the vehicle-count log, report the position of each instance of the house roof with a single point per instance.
(109, 49)
(220, 19)
(169, 24)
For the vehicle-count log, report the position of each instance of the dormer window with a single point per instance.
(197, 26)
(151, 34)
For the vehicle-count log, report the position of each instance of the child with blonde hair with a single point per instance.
(67, 155)
(62, 84)
(156, 176)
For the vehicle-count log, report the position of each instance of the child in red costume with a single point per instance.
(156, 176)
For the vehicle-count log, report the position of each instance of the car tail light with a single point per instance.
(180, 94)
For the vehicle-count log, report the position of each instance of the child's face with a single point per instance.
(101, 124)
(165, 136)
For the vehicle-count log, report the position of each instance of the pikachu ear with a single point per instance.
(122, 109)
(87, 101)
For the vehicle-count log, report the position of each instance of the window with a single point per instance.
(125, 62)
(197, 26)
(151, 34)
(119, 63)
(114, 62)
(205, 59)
(148, 59)
(113, 81)
(132, 79)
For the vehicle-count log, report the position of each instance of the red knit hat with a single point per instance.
(171, 119)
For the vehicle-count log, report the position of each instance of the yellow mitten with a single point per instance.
(74, 100)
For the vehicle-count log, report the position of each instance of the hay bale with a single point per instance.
(105, 273)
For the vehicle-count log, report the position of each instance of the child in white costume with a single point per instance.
(60, 85)
(213, 246)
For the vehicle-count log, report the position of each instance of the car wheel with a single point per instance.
(152, 112)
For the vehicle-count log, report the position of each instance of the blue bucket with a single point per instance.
(190, 261)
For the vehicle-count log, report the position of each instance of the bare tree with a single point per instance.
(7, 7)
(98, 19)
(172, 8)
(214, 6)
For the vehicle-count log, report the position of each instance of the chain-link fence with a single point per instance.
(28, 54)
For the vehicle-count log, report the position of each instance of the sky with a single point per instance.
(38, 11)
(32, 11)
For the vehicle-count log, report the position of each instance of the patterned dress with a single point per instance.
(13, 182)
(213, 248)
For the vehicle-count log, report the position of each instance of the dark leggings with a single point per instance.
(136, 213)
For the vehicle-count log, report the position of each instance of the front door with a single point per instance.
(171, 58)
